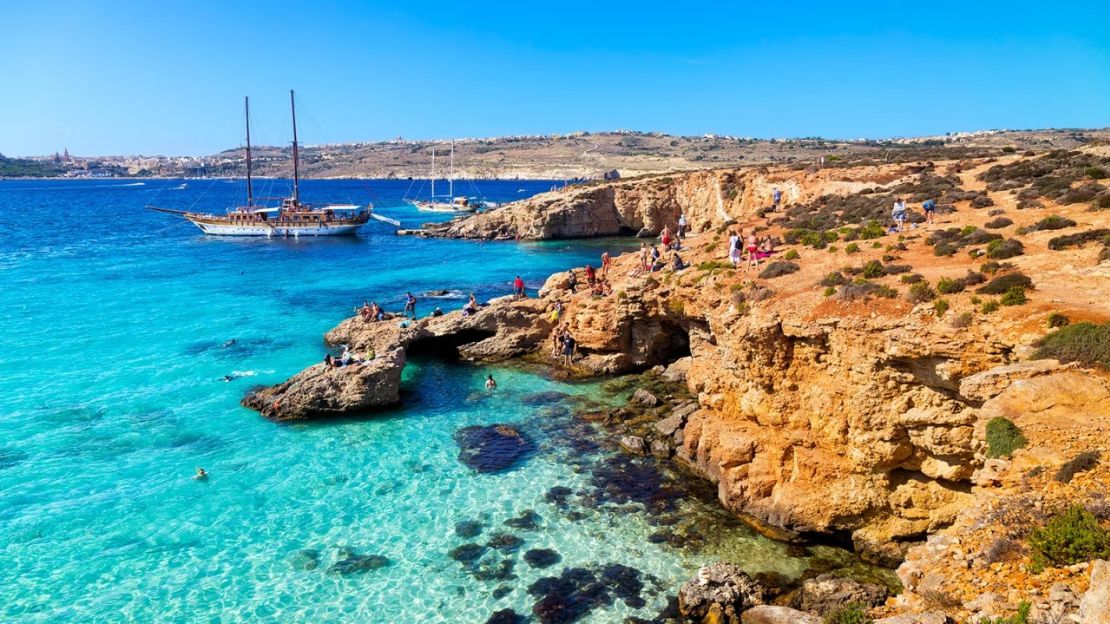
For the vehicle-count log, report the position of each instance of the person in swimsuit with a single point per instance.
(591, 275)
(606, 261)
(490, 383)
(665, 238)
(752, 248)
(569, 346)
(201, 475)
(645, 266)
(410, 305)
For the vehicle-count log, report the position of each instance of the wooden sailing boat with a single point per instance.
(456, 204)
(291, 218)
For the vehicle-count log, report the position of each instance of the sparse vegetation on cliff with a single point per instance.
(1086, 343)
(778, 269)
(1071, 536)
(1004, 283)
(851, 613)
(1079, 239)
(1003, 437)
(1053, 222)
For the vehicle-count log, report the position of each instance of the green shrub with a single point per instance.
(851, 613)
(1086, 343)
(778, 269)
(831, 249)
(1002, 249)
(873, 269)
(1014, 296)
(947, 285)
(713, 265)
(990, 268)
(1003, 437)
(676, 306)
(895, 269)
(1069, 537)
(912, 278)
(791, 255)
(963, 320)
(921, 292)
(851, 248)
(1009, 149)
(989, 306)
(1057, 320)
(1079, 239)
(830, 291)
(998, 223)
(1053, 222)
(1095, 173)
(836, 278)
(940, 306)
(1004, 283)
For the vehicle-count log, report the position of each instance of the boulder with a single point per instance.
(768, 614)
(661, 449)
(721, 587)
(676, 371)
(633, 444)
(492, 448)
(1094, 607)
(321, 391)
(669, 425)
(990, 383)
(916, 618)
(827, 592)
(643, 398)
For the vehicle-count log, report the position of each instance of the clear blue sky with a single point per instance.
(112, 77)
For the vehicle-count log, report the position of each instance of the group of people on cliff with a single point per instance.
(748, 250)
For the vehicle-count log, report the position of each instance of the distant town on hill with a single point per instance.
(579, 155)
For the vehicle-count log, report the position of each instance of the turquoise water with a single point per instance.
(116, 342)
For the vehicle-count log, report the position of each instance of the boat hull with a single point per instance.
(426, 206)
(284, 231)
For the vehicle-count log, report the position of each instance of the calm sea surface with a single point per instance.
(117, 330)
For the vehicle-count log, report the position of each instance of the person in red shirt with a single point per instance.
(518, 288)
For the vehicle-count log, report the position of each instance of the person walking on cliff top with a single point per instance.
(734, 248)
(898, 213)
(682, 224)
(410, 305)
(930, 208)
(776, 199)
(518, 288)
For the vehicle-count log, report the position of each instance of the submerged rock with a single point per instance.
(492, 448)
(306, 559)
(355, 564)
(544, 398)
(505, 616)
(467, 553)
(767, 614)
(505, 541)
(528, 520)
(542, 557)
(721, 587)
(468, 528)
(569, 596)
(633, 444)
(644, 398)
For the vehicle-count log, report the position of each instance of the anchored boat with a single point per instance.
(291, 218)
(452, 204)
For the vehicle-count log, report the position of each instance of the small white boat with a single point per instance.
(455, 204)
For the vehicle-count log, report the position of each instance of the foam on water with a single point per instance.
(120, 327)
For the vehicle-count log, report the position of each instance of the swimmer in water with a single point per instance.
(490, 383)
(201, 475)
(228, 378)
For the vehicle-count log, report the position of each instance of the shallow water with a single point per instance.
(118, 329)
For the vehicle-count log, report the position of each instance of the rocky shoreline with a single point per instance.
(860, 418)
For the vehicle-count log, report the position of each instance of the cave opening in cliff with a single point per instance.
(447, 347)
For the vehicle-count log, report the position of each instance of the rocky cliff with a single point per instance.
(845, 390)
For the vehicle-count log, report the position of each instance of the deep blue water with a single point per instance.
(117, 323)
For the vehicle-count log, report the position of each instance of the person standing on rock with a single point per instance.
(682, 223)
(665, 237)
(518, 288)
(606, 261)
(569, 348)
(776, 199)
(734, 248)
(410, 305)
(645, 263)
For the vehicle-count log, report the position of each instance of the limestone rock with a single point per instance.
(1094, 607)
(767, 614)
(723, 585)
(990, 383)
(828, 592)
(669, 425)
(321, 391)
(633, 444)
(660, 448)
(644, 398)
(916, 618)
(676, 371)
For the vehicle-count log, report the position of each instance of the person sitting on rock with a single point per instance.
(676, 262)
(365, 312)
(591, 275)
(329, 361)
(572, 281)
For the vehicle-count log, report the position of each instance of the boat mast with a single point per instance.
(296, 169)
(247, 113)
(451, 180)
(433, 172)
